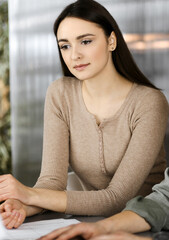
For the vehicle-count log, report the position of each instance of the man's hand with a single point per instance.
(85, 230)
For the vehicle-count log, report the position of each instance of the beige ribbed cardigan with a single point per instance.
(122, 157)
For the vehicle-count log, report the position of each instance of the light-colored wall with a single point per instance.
(34, 64)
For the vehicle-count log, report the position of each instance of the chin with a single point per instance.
(83, 77)
(80, 77)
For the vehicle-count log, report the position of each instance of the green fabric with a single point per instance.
(155, 207)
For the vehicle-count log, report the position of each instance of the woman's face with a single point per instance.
(84, 48)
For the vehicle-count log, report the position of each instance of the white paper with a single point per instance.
(34, 230)
(2, 230)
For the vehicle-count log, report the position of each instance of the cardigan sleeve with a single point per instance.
(149, 123)
(154, 207)
(55, 142)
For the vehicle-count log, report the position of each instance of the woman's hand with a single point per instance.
(85, 230)
(13, 213)
(10, 187)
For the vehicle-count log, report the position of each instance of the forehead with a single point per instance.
(72, 27)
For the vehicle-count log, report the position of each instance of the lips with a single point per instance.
(81, 67)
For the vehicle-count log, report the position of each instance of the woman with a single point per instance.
(104, 118)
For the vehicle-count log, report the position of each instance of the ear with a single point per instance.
(112, 41)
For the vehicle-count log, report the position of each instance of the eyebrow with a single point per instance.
(79, 37)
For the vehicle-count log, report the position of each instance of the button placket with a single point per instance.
(101, 155)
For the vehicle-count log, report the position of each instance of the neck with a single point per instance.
(104, 85)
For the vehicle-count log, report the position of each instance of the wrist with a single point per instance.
(32, 210)
(41, 197)
(32, 196)
(108, 225)
(26, 209)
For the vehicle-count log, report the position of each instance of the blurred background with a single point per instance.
(34, 64)
(5, 132)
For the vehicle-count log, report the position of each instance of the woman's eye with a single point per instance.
(85, 42)
(64, 47)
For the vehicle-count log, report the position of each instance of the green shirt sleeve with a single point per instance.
(155, 207)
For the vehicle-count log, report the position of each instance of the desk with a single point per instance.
(53, 215)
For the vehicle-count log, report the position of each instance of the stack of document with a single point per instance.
(33, 230)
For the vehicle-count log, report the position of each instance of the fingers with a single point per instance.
(74, 231)
(19, 221)
(12, 220)
(10, 187)
(7, 206)
(4, 196)
(3, 177)
(13, 213)
(5, 215)
(69, 232)
(6, 184)
(55, 234)
(1, 208)
(7, 177)
(104, 237)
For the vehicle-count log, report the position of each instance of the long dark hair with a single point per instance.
(92, 11)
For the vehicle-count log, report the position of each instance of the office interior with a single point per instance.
(34, 64)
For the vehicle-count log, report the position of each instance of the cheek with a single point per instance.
(99, 53)
(65, 58)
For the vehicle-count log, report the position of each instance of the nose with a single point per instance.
(75, 54)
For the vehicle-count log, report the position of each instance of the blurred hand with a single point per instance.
(10, 187)
(120, 236)
(13, 213)
(85, 230)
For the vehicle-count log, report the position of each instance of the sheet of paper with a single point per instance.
(34, 230)
(2, 230)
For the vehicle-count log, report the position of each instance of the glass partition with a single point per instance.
(34, 64)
